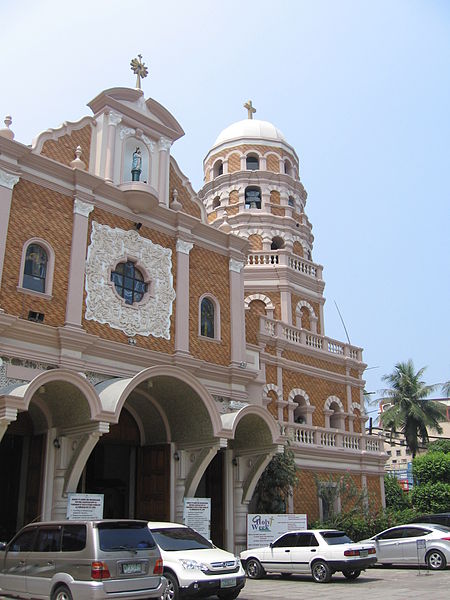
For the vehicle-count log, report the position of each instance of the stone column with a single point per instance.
(7, 183)
(74, 303)
(163, 174)
(113, 121)
(182, 299)
(238, 346)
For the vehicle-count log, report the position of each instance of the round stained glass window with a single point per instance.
(129, 282)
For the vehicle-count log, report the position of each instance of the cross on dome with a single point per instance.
(138, 67)
(248, 105)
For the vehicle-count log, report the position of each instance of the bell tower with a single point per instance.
(252, 188)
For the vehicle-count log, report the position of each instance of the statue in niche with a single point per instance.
(136, 165)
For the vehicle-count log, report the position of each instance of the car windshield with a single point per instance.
(124, 535)
(335, 537)
(180, 538)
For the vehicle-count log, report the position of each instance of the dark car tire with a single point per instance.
(62, 593)
(229, 595)
(351, 574)
(435, 560)
(254, 569)
(172, 592)
(320, 571)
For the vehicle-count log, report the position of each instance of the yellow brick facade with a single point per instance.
(37, 212)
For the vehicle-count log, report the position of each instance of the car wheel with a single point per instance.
(321, 572)
(351, 574)
(229, 595)
(436, 560)
(62, 593)
(171, 592)
(254, 569)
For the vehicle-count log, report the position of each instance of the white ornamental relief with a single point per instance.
(150, 316)
(126, 131)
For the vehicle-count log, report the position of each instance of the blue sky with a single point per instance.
(360, 88)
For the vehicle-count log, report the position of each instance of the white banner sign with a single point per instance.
(197, 514)
(263, 529)
(85, 507)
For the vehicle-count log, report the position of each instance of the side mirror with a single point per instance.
(271, 545)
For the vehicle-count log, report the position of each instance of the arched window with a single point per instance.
(216, 202)
(336, 420)
(287, 167)
(252, 197)
(277, 243)
(291, 201)
(129, 282)
(35, 270)
(252, 162)
(218, 168)
(207, 318)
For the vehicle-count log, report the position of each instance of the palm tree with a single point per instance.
(410, 412)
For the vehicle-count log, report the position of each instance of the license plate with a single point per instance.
(131, 568)
(364, 553)
(225, 583)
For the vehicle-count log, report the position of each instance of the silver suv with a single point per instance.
(85, 560)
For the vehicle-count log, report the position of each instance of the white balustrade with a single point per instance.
(352, 442)
(302, 337)
(278, 257)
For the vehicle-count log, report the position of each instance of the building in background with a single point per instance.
(157, 343)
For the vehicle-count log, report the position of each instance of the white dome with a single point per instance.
(250, 128)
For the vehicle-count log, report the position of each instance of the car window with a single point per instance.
(48, 539)
(391, 534)
(441, 527)
(180, 538)
(285, 541)
(335, 537)
(307, 539)
(73, 538)
(410, 532)
(24, 541)
(124, 535)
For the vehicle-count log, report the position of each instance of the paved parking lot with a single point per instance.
(373, 584)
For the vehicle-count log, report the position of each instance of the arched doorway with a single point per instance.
(134, 479)
(22, 459)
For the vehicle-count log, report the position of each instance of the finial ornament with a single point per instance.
(7, 132)
(248, 105)
(139, 68)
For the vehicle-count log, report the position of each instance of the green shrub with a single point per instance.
(431, 497)
(432, 467)
(396, 498)
(442, 445)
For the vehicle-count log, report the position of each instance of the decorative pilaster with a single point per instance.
(238, 345)
(7, 183)
(164, 145)
(183, 249)
(113, 120)
(74, 305)
(286, 307)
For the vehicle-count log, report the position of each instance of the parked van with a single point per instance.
(82, 560)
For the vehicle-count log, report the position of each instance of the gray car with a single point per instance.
(416, 543)
(82, 560)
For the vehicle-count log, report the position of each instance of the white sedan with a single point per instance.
(416, 543)
(320, 552)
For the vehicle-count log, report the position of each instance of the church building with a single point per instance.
(160, 343)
